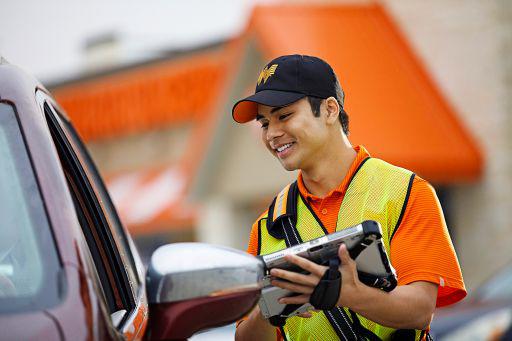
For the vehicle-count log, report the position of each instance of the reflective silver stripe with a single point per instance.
(279, 204)
(286, 236)
(293, 230)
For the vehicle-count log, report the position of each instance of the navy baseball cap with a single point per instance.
(285, 80)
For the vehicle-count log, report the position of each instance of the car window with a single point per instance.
(113, 270)
(125, 246)
(29, 264)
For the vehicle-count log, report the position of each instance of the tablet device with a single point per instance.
(364, 243)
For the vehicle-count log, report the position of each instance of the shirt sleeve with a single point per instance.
(252, 246)
(421, 249)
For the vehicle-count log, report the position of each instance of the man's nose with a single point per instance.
(273, 131)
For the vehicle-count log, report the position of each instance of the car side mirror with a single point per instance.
(194, 286)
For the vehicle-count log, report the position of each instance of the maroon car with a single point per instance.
(68, 268)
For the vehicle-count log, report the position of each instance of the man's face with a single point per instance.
(293, 134)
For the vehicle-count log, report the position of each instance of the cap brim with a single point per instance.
(245, 110)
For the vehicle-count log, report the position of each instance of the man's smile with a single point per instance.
(283, 150)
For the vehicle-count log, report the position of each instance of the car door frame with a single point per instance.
(132, 324)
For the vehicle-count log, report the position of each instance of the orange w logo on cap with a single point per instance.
(266, 73)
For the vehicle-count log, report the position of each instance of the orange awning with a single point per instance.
(395, 108)
(145, 97)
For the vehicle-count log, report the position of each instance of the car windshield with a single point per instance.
(28, 259)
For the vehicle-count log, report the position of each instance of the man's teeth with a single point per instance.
(280, 149)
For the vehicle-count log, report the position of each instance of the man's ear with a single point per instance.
(333, 110)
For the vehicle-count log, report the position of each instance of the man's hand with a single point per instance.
(304, 284)
(256, 327)
(406, 307)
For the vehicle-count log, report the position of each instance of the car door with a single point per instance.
(68, 269)
(117, 267)
(30, 268)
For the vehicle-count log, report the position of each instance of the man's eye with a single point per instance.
(264, 125)
(284, 116)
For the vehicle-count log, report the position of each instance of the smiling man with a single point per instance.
(299, 103)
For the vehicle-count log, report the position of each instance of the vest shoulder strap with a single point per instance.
(283, 210)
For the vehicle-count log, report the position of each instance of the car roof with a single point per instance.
(15, 80)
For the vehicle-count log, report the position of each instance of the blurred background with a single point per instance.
(150, 85)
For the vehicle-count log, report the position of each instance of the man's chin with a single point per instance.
(288, 165)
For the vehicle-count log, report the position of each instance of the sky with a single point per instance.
(47, 38)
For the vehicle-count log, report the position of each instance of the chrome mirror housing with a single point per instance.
(189, 270)
(192, 286)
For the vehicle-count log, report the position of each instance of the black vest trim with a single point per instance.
(313, 213)
(404, 335)
(291, 234)
(275, 228)
(259, 236)
(291, 202)
(366, 333)
(283, 334)
(404, 206)
(270, 214)
(357, 170)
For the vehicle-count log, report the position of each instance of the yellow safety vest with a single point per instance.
(378, 191)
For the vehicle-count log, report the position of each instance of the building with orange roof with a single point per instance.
(179, 168)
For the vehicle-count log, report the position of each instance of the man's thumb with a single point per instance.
(343, 254)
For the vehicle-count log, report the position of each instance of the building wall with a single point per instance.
(133, 152)
(466, 47)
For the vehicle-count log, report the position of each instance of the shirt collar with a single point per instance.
(362, 154)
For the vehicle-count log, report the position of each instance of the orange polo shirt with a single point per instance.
(421, 249)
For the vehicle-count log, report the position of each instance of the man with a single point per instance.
(299, 104)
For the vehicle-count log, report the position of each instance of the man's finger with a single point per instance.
(307, 265)
(300, 289)
(305, 315)
(294, 277)
(300, 299)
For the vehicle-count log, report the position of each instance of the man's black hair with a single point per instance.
(315, 103)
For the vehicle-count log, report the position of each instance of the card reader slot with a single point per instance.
(316, 248)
